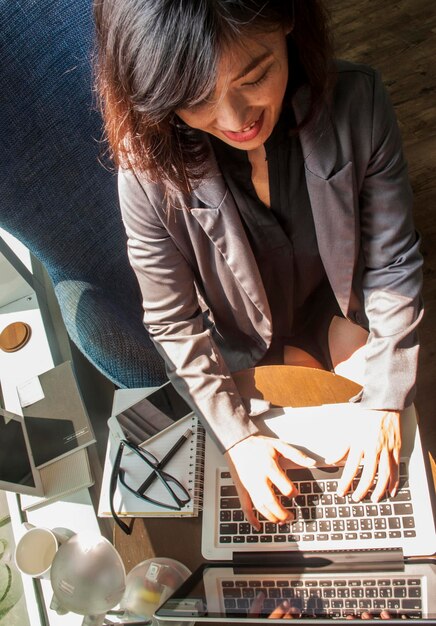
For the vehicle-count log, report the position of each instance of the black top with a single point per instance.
(283, 240)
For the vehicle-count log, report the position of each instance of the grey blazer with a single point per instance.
(204, 303)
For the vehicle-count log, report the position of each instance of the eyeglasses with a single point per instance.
(178, 496)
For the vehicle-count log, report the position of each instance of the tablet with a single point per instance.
(18, 471)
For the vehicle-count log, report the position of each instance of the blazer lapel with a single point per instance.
(333, 197)
(220, 220)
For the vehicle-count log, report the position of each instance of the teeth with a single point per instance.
(244, 130)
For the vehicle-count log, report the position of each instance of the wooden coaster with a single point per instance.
(15, 336)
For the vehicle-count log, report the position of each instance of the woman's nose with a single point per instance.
(232, 113)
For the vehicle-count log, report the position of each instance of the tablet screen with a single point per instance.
(15, 466)
(157, 411)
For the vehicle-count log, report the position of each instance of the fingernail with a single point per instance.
(356, 497)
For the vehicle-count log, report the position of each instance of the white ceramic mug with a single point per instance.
(36, 550)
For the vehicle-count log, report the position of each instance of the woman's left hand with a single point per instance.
(375, 443)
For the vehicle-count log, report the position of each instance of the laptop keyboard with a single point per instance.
(401, 596)
(319, 513)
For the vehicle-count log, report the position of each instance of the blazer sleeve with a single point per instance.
(174, 319)
(392, 279)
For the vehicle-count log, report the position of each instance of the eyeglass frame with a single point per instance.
(164, 477)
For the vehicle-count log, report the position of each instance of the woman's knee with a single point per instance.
(347, 345)
(297, 356)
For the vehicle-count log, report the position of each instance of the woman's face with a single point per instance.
(248, 96)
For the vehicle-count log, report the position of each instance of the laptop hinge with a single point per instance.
(391, 559)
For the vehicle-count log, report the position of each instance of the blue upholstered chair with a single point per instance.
(55, 196)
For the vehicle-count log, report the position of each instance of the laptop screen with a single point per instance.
(238, 594)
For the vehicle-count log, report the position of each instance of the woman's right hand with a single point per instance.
(254, 465)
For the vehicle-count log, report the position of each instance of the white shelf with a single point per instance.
(76, 512)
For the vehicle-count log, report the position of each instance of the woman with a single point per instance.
(268, 213)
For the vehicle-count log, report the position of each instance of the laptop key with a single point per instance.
(366, 524)
(385, 509)
(238, 516)
(357, 510)
(326, 499)
(402, 496)
(365, 604)
(280, 539)
(252, 539)
(350, 536)
(323, 537)
(344, 511)
(270, 527)
(225, 516)
(393, 604)
(228, 529)
(329, 593)
(409, 533)
(265, 539)
(357, 592)
(231, 592)
(394, 534)
(414, 592)
(226, 539)
(411, 604)
(408, 522)
(366, 535)
(228, 491)
(230, 503)
(380, 523)
(324, 526)
(238, 539)
(371, 510)
(403, 508)
(245, 528)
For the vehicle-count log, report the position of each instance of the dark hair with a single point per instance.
(154, 56)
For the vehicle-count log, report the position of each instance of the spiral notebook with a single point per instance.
(186, 466)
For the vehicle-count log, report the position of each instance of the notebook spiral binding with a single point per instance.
(199, 465)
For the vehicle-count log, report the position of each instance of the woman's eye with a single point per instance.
(259, 80)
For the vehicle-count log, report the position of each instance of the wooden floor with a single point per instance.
(399, 39)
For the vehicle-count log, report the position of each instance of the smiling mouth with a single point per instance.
(247, 133)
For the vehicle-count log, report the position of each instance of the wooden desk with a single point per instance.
(282, 385)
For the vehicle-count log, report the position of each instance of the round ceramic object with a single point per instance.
(15, 336)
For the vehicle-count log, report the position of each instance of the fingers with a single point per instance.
(256, 605)
(383, 476)
(350, 470)
(293, 454)
(247, 507)
(341, 456)
(285, 611)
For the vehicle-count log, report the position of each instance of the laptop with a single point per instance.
(336, 559)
